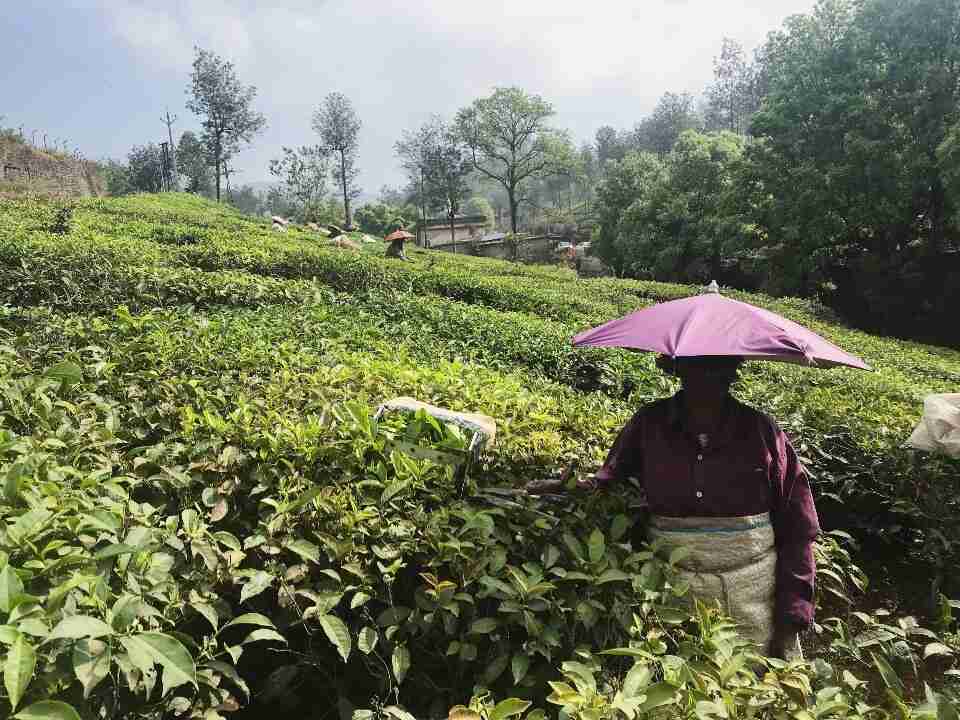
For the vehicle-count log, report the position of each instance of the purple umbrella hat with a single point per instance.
(711, 324)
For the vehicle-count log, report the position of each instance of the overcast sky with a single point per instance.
(100, 73)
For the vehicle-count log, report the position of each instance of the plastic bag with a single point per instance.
(939, 428)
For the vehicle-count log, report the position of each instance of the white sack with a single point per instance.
(939, 428)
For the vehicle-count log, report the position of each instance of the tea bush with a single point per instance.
(200, 517)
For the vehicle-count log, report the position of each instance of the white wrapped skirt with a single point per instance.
(733, 561)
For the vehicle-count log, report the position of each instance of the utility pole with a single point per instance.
(166, 178)
(169, 121)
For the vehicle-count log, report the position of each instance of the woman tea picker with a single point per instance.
(722, 478)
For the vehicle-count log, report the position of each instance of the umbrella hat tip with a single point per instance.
(711, 288)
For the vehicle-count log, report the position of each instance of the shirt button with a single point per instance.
(699, 494)
(699, 457)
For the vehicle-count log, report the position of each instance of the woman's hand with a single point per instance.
(784, 636)
(557, 484)
(540, 487)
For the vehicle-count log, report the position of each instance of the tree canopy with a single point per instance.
(509, 140)
(338, 125)
(225, 107)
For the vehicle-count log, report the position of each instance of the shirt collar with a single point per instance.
(676, 418)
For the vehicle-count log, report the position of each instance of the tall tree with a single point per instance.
(589, 175)
(855, 153)
(414, 149)
(193, 165)
(302, 173)
(449, 164)
(610, 145)
(145, 168)
(339, 127)
(673, 114)
(225, 107)
(509, 140)
(247, 200)
(631, 180)
(727, 96)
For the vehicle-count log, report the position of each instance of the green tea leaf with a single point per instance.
(393, 616)
(147, 649)
(11, 588)
(80, 626)
(255, 585)
(509, 708)
(66, 372)
(361, 598)
(48, 710)
(400, 661)
(596, 545)
(91, 663)
(209, 612)
(889, 675)
(264, 634)
(305, 549)
(230, 672)
(251, 619)
(494, 669)
(114, 550)
(619, 527)
(483, 626)
(637, 679)
(8, 634)
(679, 554)
(661, 693)
(519, 667)
(612, 575)
(337, 633)
(18, 669)
(936, 649)
(367, 640)
(574, 546)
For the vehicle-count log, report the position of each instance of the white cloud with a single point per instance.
(603, 62)
(163, 32)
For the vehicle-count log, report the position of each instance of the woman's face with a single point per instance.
(707, 377)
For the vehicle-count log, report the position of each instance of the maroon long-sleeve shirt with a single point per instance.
(746, 468)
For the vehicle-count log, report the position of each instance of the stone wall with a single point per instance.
(440, 235)
(532, 250)
(24, 168)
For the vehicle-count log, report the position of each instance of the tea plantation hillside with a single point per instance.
(201, 519)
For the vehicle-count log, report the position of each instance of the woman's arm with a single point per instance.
(623, 461)
(796, 526)
(624, 458)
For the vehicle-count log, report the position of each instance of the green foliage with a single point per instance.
(481, 206)
(225, 108)
(844, 190)
(338, 125)
(381, 219)
(143, 172)
(199, 511)
(509, 140)
(683, 221)
(302, 173)
(193, 165)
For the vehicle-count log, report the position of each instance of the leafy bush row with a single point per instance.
(307, 541)
(241, 443)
